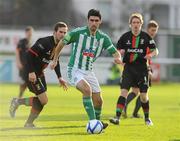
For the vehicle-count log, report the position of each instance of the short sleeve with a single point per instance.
(119, 44)
(152, 45)
(71, 36)
(108, 45)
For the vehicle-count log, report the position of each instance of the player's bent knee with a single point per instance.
(87, 91)
(144, 98)
(44, 102)
(124, 93)
(43, 98)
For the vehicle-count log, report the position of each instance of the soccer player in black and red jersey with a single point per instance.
(23, 45)
(152, 29)
(38, 58)
(135, 44)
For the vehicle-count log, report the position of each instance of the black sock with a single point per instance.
(130, 97)
(120, 106)
(20, 94)
(35, 111)
(137, 106)
(145, 107)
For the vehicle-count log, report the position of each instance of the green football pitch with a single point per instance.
(64, 117)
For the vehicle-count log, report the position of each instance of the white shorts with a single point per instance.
(75, 75)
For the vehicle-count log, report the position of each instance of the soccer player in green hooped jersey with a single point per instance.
(87, 44)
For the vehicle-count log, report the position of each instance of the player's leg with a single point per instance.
(126, 83)
(96, 96)
(84, 87)
(143, 86)
(23, 83)
(137, 108)
(96, 93)
(97, 102)
(39, 89)
(22, 88)
(130, 97)
(37, 106)
(145, 107)
(120, 106)
(76, 78)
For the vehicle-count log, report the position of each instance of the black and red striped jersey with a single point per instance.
(135, 47)
(40, 55)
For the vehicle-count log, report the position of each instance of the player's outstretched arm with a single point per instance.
(117, 58)
(152, 54)
(56, 55)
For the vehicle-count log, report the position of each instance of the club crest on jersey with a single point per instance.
(88, 53)
(45, 60)
(142, 41)
(97, 43)
(128, 42)
(48, 53)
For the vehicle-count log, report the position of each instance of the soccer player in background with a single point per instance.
(23, 45)
(38, 58)
(152, 29)
(135, 44)
(87, 44)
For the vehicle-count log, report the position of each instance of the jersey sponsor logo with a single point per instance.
(128, 42)
(88, 53)
(136, 50)
(48, 53)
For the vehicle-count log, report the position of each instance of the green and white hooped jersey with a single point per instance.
(86, 48)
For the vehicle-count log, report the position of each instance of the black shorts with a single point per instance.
(39, 86)
(23, 74)
(135, 76)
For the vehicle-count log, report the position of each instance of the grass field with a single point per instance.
(64, 117)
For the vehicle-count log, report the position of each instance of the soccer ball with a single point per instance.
(94, 127)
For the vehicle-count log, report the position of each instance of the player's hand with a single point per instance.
(148, 56)
(32, 77)
(53, 64)
(20, 66)
(150, 74)
(122, 51)
(118, 61)
(63, 83)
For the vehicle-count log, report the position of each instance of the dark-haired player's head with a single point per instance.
(28, 32)
(152, 28)
(94, 20)
(60, 29)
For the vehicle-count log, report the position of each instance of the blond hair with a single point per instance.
(135, 15)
